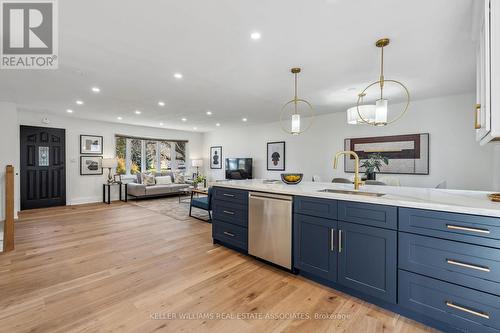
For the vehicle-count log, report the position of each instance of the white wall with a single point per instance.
(9, 151)
(454, 154)
(84, 189)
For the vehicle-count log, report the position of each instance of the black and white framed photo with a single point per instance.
(90, 165)
(91, 144)
(216, 157)
(276, 156)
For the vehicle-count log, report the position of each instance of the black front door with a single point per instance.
(43, 167)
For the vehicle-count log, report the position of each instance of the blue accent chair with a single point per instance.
(204, 203)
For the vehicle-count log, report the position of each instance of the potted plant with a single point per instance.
(372, 164)
(199, 179)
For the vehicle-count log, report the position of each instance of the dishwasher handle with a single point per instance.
(269, 196)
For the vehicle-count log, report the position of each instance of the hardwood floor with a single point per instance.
(125, 268)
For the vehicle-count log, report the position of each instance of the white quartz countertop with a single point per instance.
(458, 201)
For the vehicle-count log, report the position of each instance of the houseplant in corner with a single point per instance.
(372, 164)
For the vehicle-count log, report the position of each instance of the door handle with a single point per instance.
(228, 195)
(340, 241)
(458, 227)
(477, 124)
(229, 234)
(228, 212)
(332, 239)
(463, 264)
(464, 309)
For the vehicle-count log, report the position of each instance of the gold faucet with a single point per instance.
(357, 181)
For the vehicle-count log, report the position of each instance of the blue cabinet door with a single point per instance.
(367, 260)
(314, 246)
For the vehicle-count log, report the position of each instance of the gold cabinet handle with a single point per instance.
(332, 239)
(463, 264)
(458, 227)
(464, 309)
(228, 233)
(228, 212)
(477, 124)
(340, 241)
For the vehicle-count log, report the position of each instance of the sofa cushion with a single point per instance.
(164, 189)
(135, 189)
(148, 180)
(163, 180)
(179, 178)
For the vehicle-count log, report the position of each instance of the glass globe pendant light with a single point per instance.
(296, 125)
(381, 105)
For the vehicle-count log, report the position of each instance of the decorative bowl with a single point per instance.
(291, 178)
(495, 197)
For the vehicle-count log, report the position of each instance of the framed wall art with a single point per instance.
(216, 157)
(90, 165)
(91, 144)
(407, 154)
(276, 156)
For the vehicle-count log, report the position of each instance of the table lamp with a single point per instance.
(197, 164)
(110, 163)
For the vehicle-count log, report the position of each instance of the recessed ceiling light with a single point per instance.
(137, 112)
(184, 119)
(218, 125)
(96, 89)
(244, 119)
(79, 102)
(195, 128)
(119, 118)
(161, 124)
(178, 75)
(209, 113)
(161, 103)
(69, 111)
(255, 35)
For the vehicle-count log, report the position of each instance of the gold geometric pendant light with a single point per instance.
(381, 105)
(294, 118)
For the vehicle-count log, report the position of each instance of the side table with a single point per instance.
(107, 188)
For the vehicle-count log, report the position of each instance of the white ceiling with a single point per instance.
(131, 49)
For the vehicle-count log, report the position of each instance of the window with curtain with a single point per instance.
(136, 155)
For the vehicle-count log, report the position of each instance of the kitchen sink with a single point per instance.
(368, 194)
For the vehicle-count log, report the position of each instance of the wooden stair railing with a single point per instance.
(8, 228)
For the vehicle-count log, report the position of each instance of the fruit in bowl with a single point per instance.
(291, 178)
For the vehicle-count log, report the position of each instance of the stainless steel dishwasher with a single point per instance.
(270, 228)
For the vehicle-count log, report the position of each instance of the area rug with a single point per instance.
(170, 207)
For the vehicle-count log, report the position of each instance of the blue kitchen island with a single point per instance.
(431, 255)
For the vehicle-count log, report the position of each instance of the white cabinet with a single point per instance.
(487, 109)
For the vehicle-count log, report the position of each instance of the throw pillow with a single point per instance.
(148, 180)
(163, 180)
(179, 178)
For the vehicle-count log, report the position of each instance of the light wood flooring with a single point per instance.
(125, 268)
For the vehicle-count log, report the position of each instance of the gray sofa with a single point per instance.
(139, 190)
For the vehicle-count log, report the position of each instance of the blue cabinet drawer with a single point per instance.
(318, 207)
(231, 195)
(230, 212)
(368, 214)
(468, 265)
(465, 309)
(230, 234)
(460, 227)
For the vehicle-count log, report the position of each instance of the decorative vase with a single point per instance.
(195, 185)
(371, 176)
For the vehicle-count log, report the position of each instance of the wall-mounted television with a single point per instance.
(238, 168)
